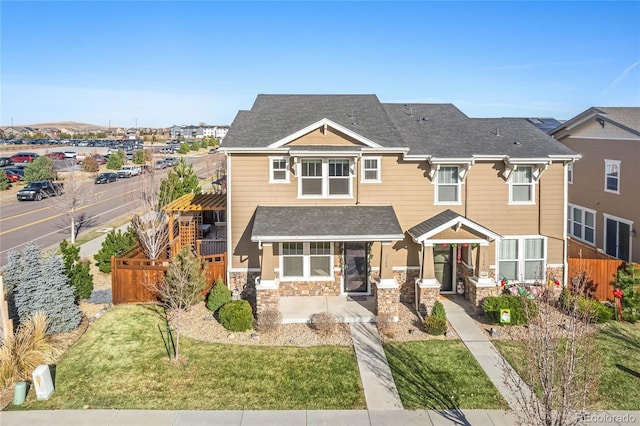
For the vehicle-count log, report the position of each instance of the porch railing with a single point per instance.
(208, 247)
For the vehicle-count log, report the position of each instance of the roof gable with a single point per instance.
(612, 121)
(325, 127)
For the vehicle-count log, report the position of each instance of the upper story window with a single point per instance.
(370, 170)
(278, 170)
(306, 260)
(447, 185)
(612, 176)
(581, 223)
(570, 172)
(522, 258)
(325, 178)
(521, 185)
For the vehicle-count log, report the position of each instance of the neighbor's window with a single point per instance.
(612, 176)
(307, 260)
(581, 223)
(279, 170)
(447, 185)
(522, 258)
(521, 184)
(570, 172)
(371, 170)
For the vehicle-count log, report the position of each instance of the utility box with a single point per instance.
(42, 382)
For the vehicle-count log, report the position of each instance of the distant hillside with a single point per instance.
(66, 125)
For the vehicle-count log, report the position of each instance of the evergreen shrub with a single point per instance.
(438, 310)
(114, 244)
(593, 310)
(435, 326)
(218, 296)
(77, 272)
(236, 315)
(521, 309)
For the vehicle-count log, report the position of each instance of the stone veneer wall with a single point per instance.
(426, 299)
(407, 281)
(267, 300)
(476, 295)
(309, 288)
(387, 300)
(246, 283)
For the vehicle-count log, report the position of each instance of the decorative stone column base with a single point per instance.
(428, 291)
(480, 288)
(267, 296)
(387, 296)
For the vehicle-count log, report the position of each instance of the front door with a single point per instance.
(355, 268)
(442, 264)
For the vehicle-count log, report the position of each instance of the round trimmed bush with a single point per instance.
(236, 315)
(435, 326)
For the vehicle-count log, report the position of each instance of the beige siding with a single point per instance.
(329, 137)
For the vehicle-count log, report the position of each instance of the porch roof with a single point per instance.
(444, 220)
(326, 223)
(198, 202)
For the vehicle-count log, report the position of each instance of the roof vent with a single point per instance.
(423, 118)
(408, 110)
(516, 143)
(497, 132)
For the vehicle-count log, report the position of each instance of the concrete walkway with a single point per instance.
(482, 349)
(379, 387)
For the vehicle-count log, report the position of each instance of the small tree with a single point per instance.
(90, 164)
(41, 168)
(44, 287)
(180, 180)
(180, 289)
(152, 225)
(141, 155)
(4, 183)
(76, 195)
(561, 363)
(184, 148)
(115, 161)
(78, 272)
(628, 280)
(114, 244)
(195, 146)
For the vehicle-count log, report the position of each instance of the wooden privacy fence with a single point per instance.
(600, 269)
(132, 279)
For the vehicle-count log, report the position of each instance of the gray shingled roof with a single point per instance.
(627, 116)
(437, 130)
(326, 223)
(438, 220)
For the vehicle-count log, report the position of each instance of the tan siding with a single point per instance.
(330, 137)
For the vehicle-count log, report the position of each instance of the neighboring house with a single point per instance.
(604, 198)
(544, 124)
(344, 195)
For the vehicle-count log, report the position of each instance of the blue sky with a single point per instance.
(175, 62)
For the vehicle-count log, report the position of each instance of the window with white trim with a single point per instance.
(370, 170)
(306, 260)
(521, 185)
(612, 176)
(570, 173)
(278, 170)
(522, 258)
(325, 178)
(581, 223)
(448, 185)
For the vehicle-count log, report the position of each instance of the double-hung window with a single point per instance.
(581, 223)
(306, 260)
(521, 185)
(325, 178)
(612, 176)
(370, 170)
(522, 258)
(278, 170)
(448, 185)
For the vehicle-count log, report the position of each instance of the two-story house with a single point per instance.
(604, 199)
(343, 195)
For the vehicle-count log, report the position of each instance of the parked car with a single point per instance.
(12, 177)
(213, 150)
(56, 155)
(70, 154)
(5, 161)
(160, 164)
(106, 177)
(128, 171)
(171, 161)
(38, 190)
(16, 171)
(24, 157)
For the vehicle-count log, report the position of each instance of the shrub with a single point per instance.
(594, 311)
(268, 321)
(77, 272)
(23, 351)
(90, 164)
(324, 323)
(141, 155)
(114, 244)
(438, 310)
(628, 280)
(236, 315)
(521, 308)
(41, 168)
(435, 326)
(184, 148)
(115, 161)
(218, 296)
(383, 323)
(4, 185)
(195, 146)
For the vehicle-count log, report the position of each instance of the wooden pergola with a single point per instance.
(193, 216)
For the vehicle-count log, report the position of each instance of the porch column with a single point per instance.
(427, 287)
(267, 288)
(481, 285)
(387, 293)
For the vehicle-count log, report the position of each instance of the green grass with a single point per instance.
(121, 362)
(440, 374)
(618, 346)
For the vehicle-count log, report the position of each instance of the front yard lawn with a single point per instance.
(618, 346)
(440, 374)
(121, 362)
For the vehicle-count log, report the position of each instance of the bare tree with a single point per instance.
(180, 289)
(152, 223)
(559, 360)
(77, 194)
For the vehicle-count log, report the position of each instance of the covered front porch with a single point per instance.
(299, 309)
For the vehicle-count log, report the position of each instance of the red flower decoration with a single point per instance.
(617, 293)
(556, 282)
